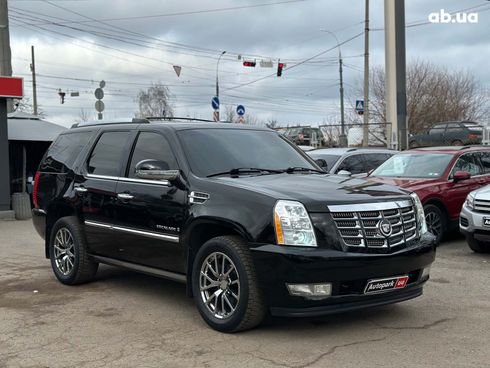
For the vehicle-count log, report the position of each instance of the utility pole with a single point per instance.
(216, 114)
(365, 135)
(34, 86)
(395, 66)
(5, 53)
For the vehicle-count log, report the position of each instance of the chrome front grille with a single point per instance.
(482, 205)
(360, 225)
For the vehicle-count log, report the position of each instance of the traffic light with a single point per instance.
(280, 66)
(62, 96)
(249, 63)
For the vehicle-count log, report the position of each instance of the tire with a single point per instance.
(436, 221)
(457, 142)
(413, 145)
(75, 266)
(239, 290)
(477, 246)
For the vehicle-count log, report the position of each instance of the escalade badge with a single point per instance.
(384, 227)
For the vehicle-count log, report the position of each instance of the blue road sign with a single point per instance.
(215, 103)
(360, 106)
(240, 110)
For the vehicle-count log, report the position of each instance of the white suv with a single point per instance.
(474, 220)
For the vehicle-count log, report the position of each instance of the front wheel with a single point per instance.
(436, 221)
(413, 145)
(225, 285)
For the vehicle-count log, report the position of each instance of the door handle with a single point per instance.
(125, 196)
(80, 190)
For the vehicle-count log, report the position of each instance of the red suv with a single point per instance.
(442, 177)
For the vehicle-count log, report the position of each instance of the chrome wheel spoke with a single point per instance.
(218, 280)
(64, 247)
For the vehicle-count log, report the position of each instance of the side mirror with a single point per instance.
(155, 170)
(461, 175)
(322, 163)
(344, 173)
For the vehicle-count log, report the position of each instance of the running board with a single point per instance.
(143, 269)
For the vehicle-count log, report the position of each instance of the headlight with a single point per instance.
(420, 213)
(293, 225)
(470, 201)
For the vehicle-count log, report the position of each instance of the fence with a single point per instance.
(377, 134)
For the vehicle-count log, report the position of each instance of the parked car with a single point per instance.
(441, 176)
(351, 161)
(474, 220)
(239, 214)
(452, 133)
(305, 136)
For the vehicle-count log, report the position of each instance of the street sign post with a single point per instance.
(360, 107)
(240, 110)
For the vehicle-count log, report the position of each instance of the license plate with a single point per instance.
(486, 221)
(391, 283)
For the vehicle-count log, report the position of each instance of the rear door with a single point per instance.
(455, 134)
(97, 189)
(151, 214)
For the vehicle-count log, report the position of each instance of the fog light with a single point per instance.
(310, 291)
(425, 273)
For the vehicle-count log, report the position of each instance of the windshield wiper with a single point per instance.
(291, 170)
(246, 170)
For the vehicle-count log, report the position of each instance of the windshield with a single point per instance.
(330, 159)
(423, 165)
(211, 151)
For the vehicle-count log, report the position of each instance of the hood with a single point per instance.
(411, 184)
(483, 193)
(315, 191)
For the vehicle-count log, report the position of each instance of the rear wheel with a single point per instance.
(436, 221)
(68, 253)
(225, 285)
(457, 142)
(477, 246)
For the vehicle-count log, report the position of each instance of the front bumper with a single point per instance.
(471, 224)
(349, 273)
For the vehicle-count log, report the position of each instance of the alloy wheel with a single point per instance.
(219, 285)
(434, 223)
(64, 251)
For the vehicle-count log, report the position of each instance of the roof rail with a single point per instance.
(351, 149)
(169, 118)
(108, 122)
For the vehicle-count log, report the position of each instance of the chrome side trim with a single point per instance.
(198, 197)
(165, 183)
(143, 269)
(149, 234)
(375, 206)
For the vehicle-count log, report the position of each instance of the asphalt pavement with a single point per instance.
(125, 319)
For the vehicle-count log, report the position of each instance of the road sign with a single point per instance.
(266, 64)
(360, 106)
(215, 103)
(99, 105)
(99, 93)
(240, 110)
(177, 70)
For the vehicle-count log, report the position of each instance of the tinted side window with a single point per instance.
(64, 151)
(373, 160)
(108, 153)
(151, 146)
(485, 162)
(436, 130)
(354, 164)
(469, 163)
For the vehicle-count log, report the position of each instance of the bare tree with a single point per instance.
(154, 101)
(272, 123)
(434, 94)
(230, 114)
(25, 105)
(83, 115)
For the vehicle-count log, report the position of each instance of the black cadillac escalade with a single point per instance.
(239, 214)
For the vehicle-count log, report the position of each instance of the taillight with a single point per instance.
(34, 190)
(473, 136)
(301, 136)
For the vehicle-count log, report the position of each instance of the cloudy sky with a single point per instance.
(131, 44)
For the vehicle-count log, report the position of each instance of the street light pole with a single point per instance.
(217, 83)
(342, 137)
